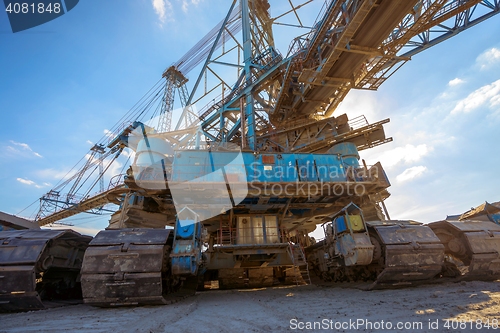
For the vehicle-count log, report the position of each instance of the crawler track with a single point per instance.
(38, 266)
(129, 267)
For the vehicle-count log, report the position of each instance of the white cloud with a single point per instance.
(25, 181)
(23, 145)
(164, 9)
(185, 5)
(488, 94)
(23, 148)
(495, 100)
(90, 142)
(455, 82)
(31, 183)
(108, 133)
(361, 103)
(159, 7)
(411, 173)
(488, 58)
(406, 154)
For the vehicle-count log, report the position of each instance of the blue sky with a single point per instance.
(65, 82)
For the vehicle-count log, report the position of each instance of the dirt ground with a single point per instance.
(449, 307)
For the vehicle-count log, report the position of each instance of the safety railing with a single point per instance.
(249, 235)
(358, 122)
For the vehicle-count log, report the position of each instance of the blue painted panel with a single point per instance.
(282, 170)
(254, 167)
(306, 167)
(186, 231)
(496, 218)
(189, 165)
(289, 168)
(344, 149)
(340, 223)
(348, 152)
(329, 168)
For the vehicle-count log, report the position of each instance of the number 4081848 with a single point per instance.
(40, 8)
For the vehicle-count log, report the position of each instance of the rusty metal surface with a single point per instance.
(18, 251)
(484, 241)
(39, 264)
(363, 249)
(356, 249)
(122, 289)
(33, 234)
(406, 234)
(128, 236)
(475, 243)
(17, 289)
(481, 210)
(474, 225)
(127, 267)
(485, 266)
(406, 264)
(26, 301)
(413, 254)
(117, 259)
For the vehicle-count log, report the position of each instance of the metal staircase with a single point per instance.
(296, 253)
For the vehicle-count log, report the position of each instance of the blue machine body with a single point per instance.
(246, 166)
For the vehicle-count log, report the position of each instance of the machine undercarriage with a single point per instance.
(402, 253)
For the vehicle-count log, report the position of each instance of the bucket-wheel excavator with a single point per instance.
(229, 195)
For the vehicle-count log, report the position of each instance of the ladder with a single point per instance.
(296, 253)
(225, 234)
